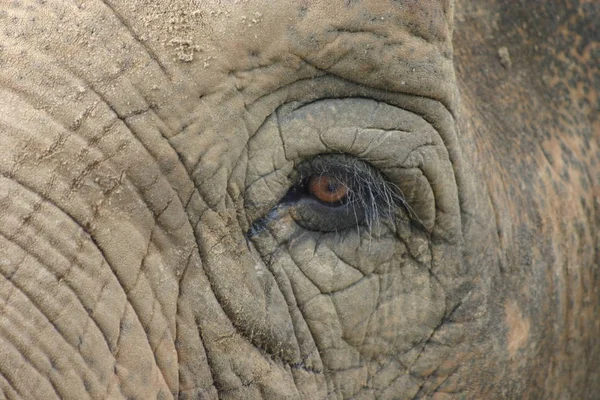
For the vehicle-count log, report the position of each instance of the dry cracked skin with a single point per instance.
(350, 199)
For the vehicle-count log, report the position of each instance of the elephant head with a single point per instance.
(367, 199)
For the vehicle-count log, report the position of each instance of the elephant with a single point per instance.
(358, 199)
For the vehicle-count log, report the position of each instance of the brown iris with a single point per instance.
(327, 189)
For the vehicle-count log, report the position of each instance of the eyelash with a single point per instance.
(370, 197)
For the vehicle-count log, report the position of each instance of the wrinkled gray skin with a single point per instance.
(145, 150)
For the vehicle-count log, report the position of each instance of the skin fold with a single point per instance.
(156, 239)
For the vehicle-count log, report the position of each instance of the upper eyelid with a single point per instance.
(355, 168)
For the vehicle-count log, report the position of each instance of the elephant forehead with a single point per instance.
(259, 46)
(400, 47)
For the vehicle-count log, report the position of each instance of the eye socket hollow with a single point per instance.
(327, 189)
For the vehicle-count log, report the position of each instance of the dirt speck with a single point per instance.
(504, 57)
(184, 49)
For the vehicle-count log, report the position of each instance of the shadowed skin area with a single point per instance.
(156, 240)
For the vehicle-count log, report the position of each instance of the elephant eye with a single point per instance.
(337, 192)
